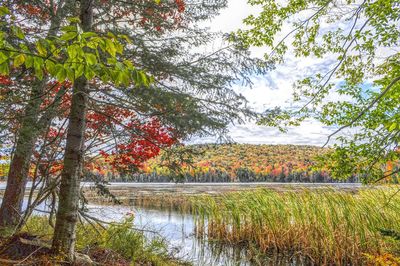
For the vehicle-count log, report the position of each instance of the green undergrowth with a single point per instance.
(131, 244)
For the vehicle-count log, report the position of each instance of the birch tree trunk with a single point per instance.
(67, 212)
(11, 206)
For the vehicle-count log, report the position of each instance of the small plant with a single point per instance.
(119, 238)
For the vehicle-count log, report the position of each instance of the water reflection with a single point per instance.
(178, 229)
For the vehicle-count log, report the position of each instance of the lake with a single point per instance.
(178, 228)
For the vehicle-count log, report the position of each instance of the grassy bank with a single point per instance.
(324, 226)
(114, 244)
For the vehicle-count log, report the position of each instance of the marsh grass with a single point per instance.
(324, 226)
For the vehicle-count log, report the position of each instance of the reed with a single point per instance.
(324, 226)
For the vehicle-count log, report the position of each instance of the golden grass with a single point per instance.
(326, 226)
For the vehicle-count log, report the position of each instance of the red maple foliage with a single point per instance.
(143, 146)
(144, 138)
(5, 80)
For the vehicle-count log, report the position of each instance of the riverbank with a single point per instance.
(139, 193)
(114, 244)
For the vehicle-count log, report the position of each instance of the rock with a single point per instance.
(83, 260)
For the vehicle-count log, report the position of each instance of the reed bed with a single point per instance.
(325, 226)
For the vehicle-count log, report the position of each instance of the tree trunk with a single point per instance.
(67, 212)
(11, 207)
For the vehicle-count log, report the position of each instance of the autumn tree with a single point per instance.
(28, 121)
(74, 53)
(359, 40)
(191, 92)
(67, 213)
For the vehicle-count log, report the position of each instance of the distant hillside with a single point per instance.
(242, 162)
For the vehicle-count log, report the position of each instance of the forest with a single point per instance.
(95, 92)
(236, 163)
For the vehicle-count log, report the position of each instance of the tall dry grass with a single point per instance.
(325, 226)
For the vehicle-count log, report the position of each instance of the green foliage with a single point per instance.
(119, 237)
(71, 55)
(359, 40)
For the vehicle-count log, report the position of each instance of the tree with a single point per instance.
(75, 56)
(191, 92)
(30, 122)
(361, 39)
(67, 211)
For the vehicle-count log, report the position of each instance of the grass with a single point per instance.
(119, 238)
(324, 226)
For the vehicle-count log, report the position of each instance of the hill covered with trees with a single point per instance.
(238, 163)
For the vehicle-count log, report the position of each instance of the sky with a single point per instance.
(273, 89)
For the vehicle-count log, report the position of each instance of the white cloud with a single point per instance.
(273, 89)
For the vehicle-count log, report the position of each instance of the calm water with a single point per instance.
(178, 230)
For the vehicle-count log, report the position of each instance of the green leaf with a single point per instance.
(4, 11)
(3, 58)
(105, 78)
(88, 35)
(29, 61)
(79, 70)
(73, 50)
(18, 32)
(89, 73)
(119, 48)
(111, 35)
(70, 74)
(61, 73)
(127, 39)
(69, 28)
(38, 66)
(123, 78)
(128, 64)
(38, 63)
(23, 47)
(19, 60)
(110, 47)
(91, 59)
(68, 36)
(143, 79)
(111, 61)
(4, 68)
(92, 44)
(39, 73)
(51, 67)
(74, 20)
(392, 127)
(41, 49)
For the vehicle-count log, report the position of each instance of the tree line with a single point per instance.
(233, 163)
